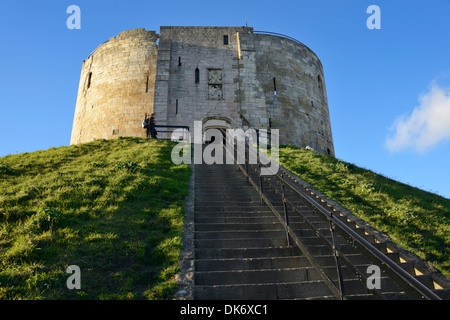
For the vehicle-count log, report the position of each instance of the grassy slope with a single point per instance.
(114, 208)
(89, 205)
(415, 219)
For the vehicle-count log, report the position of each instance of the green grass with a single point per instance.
(114, 208)
(413, 218)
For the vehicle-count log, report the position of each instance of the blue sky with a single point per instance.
(388, 89)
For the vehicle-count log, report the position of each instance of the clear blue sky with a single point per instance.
(388, 89)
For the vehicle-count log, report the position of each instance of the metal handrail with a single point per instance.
(258, 131)
(286, 37)
(185, 134)
(407, 282)
(337, 289)
(176, 127)
(290, 234)
(337, 253)
(401, 277)
(279, 35)
(96, 49)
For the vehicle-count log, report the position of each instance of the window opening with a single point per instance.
(197, 75)
(89, 80)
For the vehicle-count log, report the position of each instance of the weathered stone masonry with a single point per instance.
(223, 76)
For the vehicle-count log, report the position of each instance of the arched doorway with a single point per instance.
(214, 122)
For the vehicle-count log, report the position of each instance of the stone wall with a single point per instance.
(197, 75)
(116, 88)
(283, 87)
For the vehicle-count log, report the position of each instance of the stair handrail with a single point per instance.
(337, 253)
(171, 129)
(336, 290)
(406, 281)
(258, 131)
(401, 277)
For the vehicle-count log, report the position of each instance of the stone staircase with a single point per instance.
(241, 251)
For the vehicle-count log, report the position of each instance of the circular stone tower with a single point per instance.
(116, 88)
(231, 76)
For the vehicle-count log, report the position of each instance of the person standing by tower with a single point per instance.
(146, 126)
(152, 127)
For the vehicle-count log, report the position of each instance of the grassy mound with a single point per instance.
(114, 208)
(415, 219)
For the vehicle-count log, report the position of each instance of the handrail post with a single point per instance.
(335, 249)
(257, 139)
(260, 183)
(286, 216)
(246, 170)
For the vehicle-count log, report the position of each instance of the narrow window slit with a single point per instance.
(197, 76)
(89, 80)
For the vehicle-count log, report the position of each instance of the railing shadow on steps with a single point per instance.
(279, 182)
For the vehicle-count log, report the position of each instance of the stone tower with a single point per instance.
(116, 87)
(229, 77)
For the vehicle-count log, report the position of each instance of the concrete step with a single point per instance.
(266, 263)
(224, 197)
(251, 263)
(211, 194)
(222, 184)
(236, 226)
(230, 208)
(265, 291)
(237, 214)
(247, 234)
(213, 201)
(258, 218)
(443, 293)
(255, 276)
(239, 243)
(242, 253)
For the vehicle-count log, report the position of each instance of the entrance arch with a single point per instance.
(215, 122)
